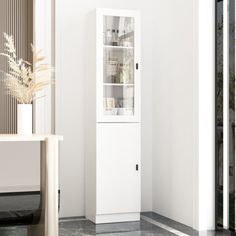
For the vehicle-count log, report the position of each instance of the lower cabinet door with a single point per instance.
(118, 168)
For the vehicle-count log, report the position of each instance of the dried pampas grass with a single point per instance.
(24, 80)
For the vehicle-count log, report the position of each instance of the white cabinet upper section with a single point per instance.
(118, 65)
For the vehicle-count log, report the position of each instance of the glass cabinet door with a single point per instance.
(118, 66)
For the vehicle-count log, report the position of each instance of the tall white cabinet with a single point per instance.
(113, 145)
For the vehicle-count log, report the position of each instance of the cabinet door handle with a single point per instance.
(136, 66)
(137, 167)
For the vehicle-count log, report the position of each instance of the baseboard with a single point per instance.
(73, 218)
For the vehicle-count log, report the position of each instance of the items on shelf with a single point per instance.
(119, 72)
(127, 39)
(109, 103)
(122, 39)
(109, 106)
(126, 102)
(125, 111)
(111, 70)
(113, 37)
(108, 37)
(119, 106)
(124, 73)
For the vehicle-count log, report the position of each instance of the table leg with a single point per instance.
(48, 225)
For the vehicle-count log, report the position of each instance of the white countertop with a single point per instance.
(26, 138)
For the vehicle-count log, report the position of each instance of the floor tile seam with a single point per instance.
(161, 219)
(163, 226)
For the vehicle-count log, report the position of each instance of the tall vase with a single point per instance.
(24, 119)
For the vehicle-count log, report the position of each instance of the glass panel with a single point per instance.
(118, 31)
(118, 71)
(221, 174)
(219, 114)
(232, 114)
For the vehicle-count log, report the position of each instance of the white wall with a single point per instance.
(183, 112)
(43, 39)
(174, 109)
(20, 166)
(70, 105)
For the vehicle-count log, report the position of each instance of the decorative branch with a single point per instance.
(24, 80)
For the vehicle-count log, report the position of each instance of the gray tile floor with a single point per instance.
(151, 224)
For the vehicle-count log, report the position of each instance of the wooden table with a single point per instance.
(48, 225)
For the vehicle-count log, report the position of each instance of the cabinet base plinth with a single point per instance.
(115, 218)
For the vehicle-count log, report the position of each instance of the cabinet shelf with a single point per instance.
(117, 84)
